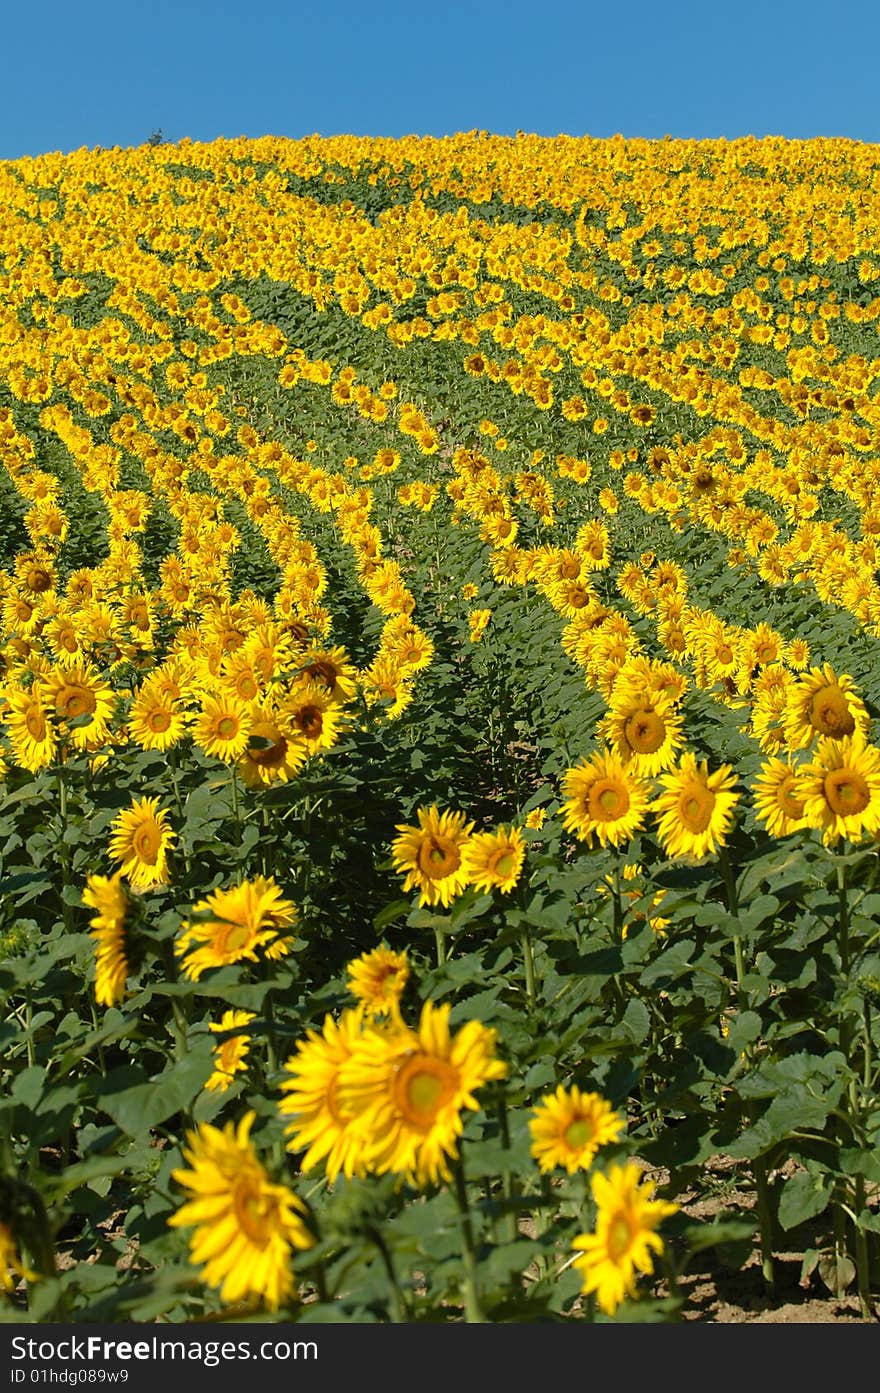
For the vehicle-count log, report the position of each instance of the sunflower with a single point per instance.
(644, 730)
(603, 798)
(569, 1126)
(625, 1236)
(385, 680)
(154, 720)
(245, 1226)
(840, 789)
(317, 1123)
(377, 980)
(313, 716)
(494, 859)
(28, 725)
(222, 728)
(408, 1088)
(478, 620)
(11, 1264)
(273, 754)
(331, 669)
(695, 807)
(823, 704)
(106, 895)
(431, 855)
(231, 1053)
(237, 922)
(140, 840)
(777, 805)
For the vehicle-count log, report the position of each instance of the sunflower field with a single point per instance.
(439, 685)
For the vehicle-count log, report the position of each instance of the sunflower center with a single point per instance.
(246, 686)
(324, 672)
(846, 792)
(830, 714)
(39, 580)
(645, 731)
(74, 701)
(422, 1087)
(608, 800)
(695, 807)
(255, 1212)
(272, 755)
(579, 1133)
(789, 803)
(227, 727)
(502, 862)
(147, 841)
(232, 938)
(35, 723)
(570, 570)
(159, 721)
(620, 1236)
(310, 722)
(438, 858)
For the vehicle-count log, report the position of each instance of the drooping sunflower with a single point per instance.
(625, 1238)
(317, 1123)
(644, 730)
(431, 855)
(106, 895)
(494, 859)
(246, 1227)
(230, 1055)
(140, 840)
(777, 805)
(408, 1089)
(603, 799)
(222, 727)
(569, 1126)
(377, 980)
(237, 922)
(695, 808)
(29, 726)
(824, 704)
(840, 789)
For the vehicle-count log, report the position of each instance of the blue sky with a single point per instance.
(113, 73)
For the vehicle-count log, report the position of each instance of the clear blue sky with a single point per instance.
(74, 74)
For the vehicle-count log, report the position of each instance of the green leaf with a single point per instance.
(803, 1196)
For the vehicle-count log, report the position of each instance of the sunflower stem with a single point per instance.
(101, 1059)
(440, 940)
(529, 962)
(64, 850)
(399, 1311)
(507, 1187)
(863, 1269)
(233, 784)
(473, 1311)
(177, 1016)
(759, 1168)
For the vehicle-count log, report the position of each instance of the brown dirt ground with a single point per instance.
(738, 1296)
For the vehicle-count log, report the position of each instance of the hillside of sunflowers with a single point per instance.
(439, 744)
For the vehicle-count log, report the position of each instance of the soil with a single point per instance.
(735, 1296)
